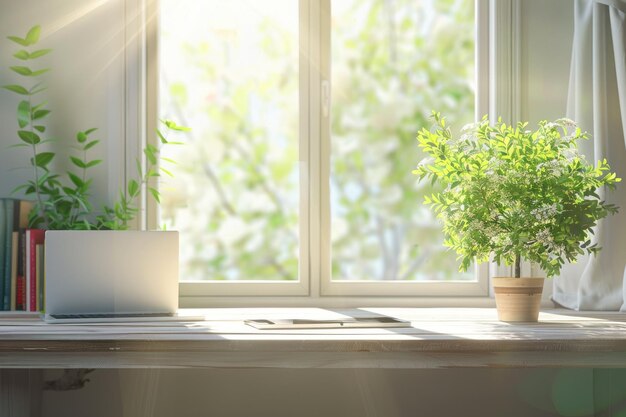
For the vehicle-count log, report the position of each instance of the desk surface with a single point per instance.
(438, 338)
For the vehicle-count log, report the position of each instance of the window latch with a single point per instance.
(325, 98)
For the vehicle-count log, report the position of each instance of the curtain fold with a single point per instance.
(597, 102)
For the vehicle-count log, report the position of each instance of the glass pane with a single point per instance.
(393, 61)
(229, 70)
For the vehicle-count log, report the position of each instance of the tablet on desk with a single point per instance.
(352, 322)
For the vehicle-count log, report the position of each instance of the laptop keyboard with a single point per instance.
(109, 315)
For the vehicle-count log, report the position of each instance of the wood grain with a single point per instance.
(438, 338)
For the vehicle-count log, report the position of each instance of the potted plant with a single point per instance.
(512, 194)
(62, 198)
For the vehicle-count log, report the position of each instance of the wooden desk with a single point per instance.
(438, 338)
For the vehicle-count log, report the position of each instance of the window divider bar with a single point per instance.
(324, 178)
(315, 104)
(150, 208)
(304, 159)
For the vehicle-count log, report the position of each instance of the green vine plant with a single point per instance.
(62, 200)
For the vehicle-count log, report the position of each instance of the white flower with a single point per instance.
(553, 167)
(566, 122)
(545, 238)
(501, 240)
(469, 127)
(426, 161)
(544, 213)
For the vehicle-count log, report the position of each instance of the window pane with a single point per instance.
(229, 69)
(393, 61)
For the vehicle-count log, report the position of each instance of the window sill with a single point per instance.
(200, 302)
(438, 338)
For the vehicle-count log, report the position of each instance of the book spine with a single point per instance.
(21, 293)
(27, 267)
(3, 221)
(32, 266)
(39, 273)
(10, 218)
(14, 256)
(34, 237)
(25, 207)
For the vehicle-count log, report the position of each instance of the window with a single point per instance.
(296, 179)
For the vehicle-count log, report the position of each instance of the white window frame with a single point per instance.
(315, 286)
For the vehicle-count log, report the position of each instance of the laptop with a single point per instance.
(95, 276)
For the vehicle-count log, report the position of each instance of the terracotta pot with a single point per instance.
(518, 299)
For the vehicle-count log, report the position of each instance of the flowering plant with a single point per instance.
(515, 193)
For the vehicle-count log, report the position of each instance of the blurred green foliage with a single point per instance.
(393, 61)
(235, 196)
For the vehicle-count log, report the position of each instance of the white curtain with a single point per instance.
(597, 101)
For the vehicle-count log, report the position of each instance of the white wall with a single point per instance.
(546, 49)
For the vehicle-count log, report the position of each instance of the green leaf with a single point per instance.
(40, 114)
(22, 70)
(23, 114)
(32, 37)
(38, 106)
(90, 131)
(29, 137)
(36, 90)
(40, 53)
(43, 159)
(81, 137)
(19, 41)
(17, 89)
(161, 137)
(133, 188)
(155, 194)
(139, 170)
(78, 162)
(39, 72)
(40, 128)
(150, 155)
(22, 54)
(91, 144)
(93, 163)
(166, 171)
(78, 182)
(173, 126)
(19, 188)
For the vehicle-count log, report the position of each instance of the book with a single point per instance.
(21, 260)
(21, 293)
(21, 267)
(39, 273)
(14, 255)
(3, 221)
(342, 323)
(6, 283)
(14, 214)
(22, 209)
(33, 238)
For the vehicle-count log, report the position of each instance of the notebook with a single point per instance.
(99, 276)
(352, 322)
